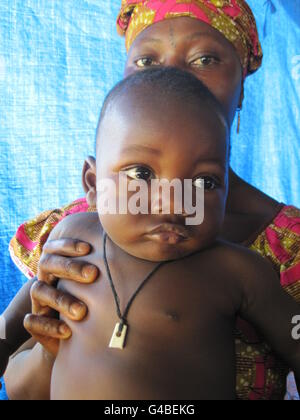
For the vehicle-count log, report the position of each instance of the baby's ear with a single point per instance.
(89, 181)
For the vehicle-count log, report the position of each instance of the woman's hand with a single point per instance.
(58, 261)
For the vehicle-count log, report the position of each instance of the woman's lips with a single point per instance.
(169, 234)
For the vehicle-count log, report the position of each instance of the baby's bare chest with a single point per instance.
(180, 335)
(178, 302)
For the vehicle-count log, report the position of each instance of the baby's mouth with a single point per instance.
(168, 233)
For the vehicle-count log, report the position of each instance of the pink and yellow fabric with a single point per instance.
(233, 18)
(260, 375)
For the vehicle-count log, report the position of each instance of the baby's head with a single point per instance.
(160, 124)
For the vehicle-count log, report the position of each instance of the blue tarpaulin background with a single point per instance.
(59, 58)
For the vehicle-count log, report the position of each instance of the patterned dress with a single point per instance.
(260, 375)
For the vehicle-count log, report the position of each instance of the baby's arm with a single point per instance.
(12, 331)
(267, 306)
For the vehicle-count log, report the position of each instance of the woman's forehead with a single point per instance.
(233, 19)
(180, 28)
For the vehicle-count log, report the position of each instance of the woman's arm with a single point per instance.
(29, 371)
(297, 380)
(58, 260)
(28, 375)
(12, 331)
(270, 309)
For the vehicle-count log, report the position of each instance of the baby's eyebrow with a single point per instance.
(218, 162)
(137, 148)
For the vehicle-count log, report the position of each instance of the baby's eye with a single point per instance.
(204, 61)
(139, 173)
(146, 62)
(207, 182)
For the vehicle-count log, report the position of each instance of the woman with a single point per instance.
(217, 41)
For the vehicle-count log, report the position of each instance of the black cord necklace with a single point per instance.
(120, 332)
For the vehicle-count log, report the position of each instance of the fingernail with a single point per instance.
(64, 330)
(76, 308)
(89, 271)
(82, 247)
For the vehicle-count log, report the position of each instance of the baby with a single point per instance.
(163, 312)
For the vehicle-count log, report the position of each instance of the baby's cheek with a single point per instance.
(215, 200)
(120, 228)
(214, 212)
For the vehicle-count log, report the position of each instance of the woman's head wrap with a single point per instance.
(232, 18)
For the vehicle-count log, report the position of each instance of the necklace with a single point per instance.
(118, 338)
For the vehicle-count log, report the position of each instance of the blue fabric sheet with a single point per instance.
(59, 58)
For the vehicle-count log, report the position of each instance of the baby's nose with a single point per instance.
(167, 198)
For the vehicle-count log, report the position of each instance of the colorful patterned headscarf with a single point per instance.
(233, 18)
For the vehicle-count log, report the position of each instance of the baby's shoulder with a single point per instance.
(240, 261)
(80, 226)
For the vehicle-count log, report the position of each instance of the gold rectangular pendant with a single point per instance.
(118, 342)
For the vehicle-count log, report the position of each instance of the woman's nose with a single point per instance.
(173, 60)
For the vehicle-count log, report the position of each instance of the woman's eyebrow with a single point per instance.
(151, 41)
(197, 35)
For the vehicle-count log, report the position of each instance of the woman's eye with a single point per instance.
(206, 182)
(146, 62)
(205, 60)
(139, 173)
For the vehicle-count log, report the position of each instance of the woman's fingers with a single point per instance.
(46, 298)
(50, 345)
(67, 248)
(47, 327)
(47, 331)
(59, 260)
(52, 267)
